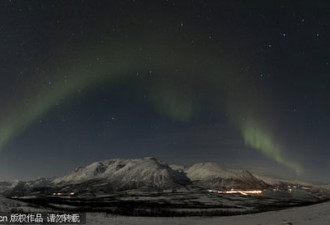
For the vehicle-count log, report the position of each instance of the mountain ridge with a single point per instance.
(143, 174)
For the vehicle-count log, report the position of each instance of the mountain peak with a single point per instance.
(213, 175)
(127, 174)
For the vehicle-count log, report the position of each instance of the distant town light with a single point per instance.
(232, 191)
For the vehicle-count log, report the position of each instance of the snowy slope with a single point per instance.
(272, 180)
(19, 188)
(317, 214)
(123, 174)
(209, 170)
(146, 174)
(4, 185)
(213, 175)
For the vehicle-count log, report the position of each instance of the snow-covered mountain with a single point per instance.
(148, 174)
(212, 175)
(124, 174)
(4, 185)
(20, 188)
(145, 174)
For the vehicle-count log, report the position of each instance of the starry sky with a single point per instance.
(242, 83)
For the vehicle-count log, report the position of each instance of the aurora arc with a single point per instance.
(85, 69)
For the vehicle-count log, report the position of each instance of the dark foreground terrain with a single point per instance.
(195, 203)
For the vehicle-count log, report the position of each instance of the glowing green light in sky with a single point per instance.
(258, 138)
(86, 68)
(245, 106)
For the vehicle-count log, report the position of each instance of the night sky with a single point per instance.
(242, 83)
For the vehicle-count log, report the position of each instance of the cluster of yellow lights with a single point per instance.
(237, 192)
(59, 193)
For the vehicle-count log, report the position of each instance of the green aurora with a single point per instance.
(84, 68)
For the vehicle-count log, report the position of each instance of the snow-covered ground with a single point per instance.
(318, 214)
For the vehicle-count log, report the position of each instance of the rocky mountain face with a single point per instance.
(123, 174)
(22, 188)
(145, 174)
(212, 175)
